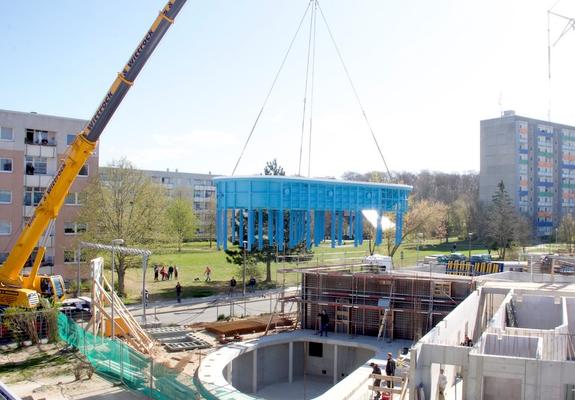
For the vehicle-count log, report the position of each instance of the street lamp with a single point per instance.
(470, 234)
(115, 242)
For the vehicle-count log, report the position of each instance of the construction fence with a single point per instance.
(119, 362)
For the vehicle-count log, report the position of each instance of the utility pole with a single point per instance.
(244, 271)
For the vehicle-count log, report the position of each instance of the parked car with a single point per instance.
(444, 259)
(479, 258)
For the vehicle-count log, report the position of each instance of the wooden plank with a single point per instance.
(387, 378)
(382, 389)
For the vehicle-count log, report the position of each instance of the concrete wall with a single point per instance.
(540, 380)
(451, 330)
(515, 346)
(501, 388)
(273, 364)
(242, 372)
(497, 157)
(318, 365)
(538, 312)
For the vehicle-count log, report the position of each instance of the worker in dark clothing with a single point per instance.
(376, 382)
(179, 292)
(390, 369)
(323, 322)
(467, 342)
(233, 284)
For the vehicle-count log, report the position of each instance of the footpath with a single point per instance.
(199, 303)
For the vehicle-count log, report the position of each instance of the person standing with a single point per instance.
(179, 292)
(175, 272)
(252, 284)
(233, 284)
(163, 272)
(170, 272)
(441, 384)
(376, 381)
(390, 369)
(156, 272)
(323, 322)
(208, 273)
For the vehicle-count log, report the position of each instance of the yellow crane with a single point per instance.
(23, 291)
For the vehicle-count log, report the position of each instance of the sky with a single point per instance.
(426, 73)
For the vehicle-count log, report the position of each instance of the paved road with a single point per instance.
(207, 309)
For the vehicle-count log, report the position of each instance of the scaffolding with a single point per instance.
(392, 305)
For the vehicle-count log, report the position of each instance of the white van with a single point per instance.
(380, 263)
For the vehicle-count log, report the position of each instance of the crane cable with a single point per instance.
(311, 93)
(309, 46)
(354, 90)
(271, 88)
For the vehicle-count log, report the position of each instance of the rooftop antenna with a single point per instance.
(570, 25)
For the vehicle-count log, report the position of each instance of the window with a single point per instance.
(71, 256)
(83, 171)
(39, 164)
(70, 139)
(37, 136)
(6, 134)
(315, 349)
(74, 199)
(33, 195)
(5, 196)
(3, 257)
(73, 228)
(5, 227)
(5, 165)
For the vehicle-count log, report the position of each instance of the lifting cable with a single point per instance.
(311, 94)
(353, 88)
(271, 88)
(309, 47)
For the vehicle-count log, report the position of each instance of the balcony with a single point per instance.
(38, 180)
(39, 150)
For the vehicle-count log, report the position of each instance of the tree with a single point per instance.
(502, 221)
(123, 204)
(181, 220)
(567, 231)
(423, 216)
(210, 219)
(272, 168)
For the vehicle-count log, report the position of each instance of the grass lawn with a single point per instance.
(194, 258)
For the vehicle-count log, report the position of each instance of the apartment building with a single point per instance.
(535, 159)
(198, 188)
(31, 147)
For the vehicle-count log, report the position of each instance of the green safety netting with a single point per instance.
(118, 361)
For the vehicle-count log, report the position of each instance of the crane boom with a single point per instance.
(82, 147)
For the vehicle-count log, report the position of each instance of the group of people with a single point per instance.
(165, 273)
(251, 285)
(390, 366)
